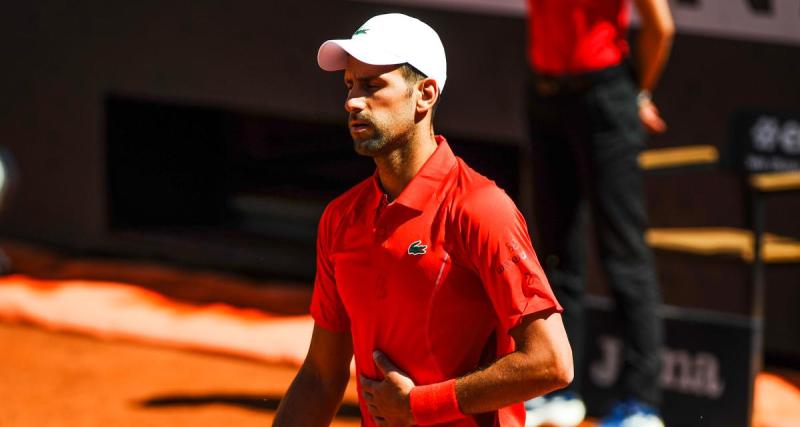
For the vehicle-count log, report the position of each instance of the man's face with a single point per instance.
(381, 105)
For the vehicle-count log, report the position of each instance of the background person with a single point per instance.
(587, 112)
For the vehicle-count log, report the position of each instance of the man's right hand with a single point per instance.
(388, 400)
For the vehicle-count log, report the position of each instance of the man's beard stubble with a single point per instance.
(381, 142)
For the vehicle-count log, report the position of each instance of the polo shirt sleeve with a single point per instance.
(326, 305)
(496, 243)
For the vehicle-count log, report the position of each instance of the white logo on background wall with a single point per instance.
(769, 136)
(790, 137)
(775, 145)
(682, 371)
(606, 371)
(765, 133)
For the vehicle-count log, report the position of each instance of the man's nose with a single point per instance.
(354, 103)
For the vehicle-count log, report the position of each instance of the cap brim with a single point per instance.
(332, 55)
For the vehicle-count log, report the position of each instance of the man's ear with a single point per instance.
(429, 94)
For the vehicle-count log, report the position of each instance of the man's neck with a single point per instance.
(396, 169)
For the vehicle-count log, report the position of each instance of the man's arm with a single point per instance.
(654, 43)
(542, 362)
(655, 40)
(322, 378)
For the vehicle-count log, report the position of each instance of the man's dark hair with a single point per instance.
(413, 75)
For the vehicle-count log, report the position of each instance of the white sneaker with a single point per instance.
(560, 409)
(643, 420)
(632, 413)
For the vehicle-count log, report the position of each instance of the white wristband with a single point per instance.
(643, 97)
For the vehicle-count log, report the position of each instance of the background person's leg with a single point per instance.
(617, 200)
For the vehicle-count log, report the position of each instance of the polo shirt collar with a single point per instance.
(429, 179)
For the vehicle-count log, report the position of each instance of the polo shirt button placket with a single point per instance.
(380, 279)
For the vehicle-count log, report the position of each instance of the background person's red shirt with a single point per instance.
(576, 36)
(435, 279)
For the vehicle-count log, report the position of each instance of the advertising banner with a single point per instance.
(706, 365)
(765, 141)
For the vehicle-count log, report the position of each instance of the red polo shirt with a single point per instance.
(434, 279)
(576, 36)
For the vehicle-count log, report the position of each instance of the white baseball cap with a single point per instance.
(389, 39)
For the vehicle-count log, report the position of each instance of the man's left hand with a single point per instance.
(388, 400)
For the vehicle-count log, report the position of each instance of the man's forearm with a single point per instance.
(653, 51)
(512, 379)
(541, 363)
(310, 401)
(654, 41)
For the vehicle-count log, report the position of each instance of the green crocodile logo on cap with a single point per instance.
(360, 31)
(417, 248)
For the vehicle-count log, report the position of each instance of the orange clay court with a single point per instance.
(98, 342)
